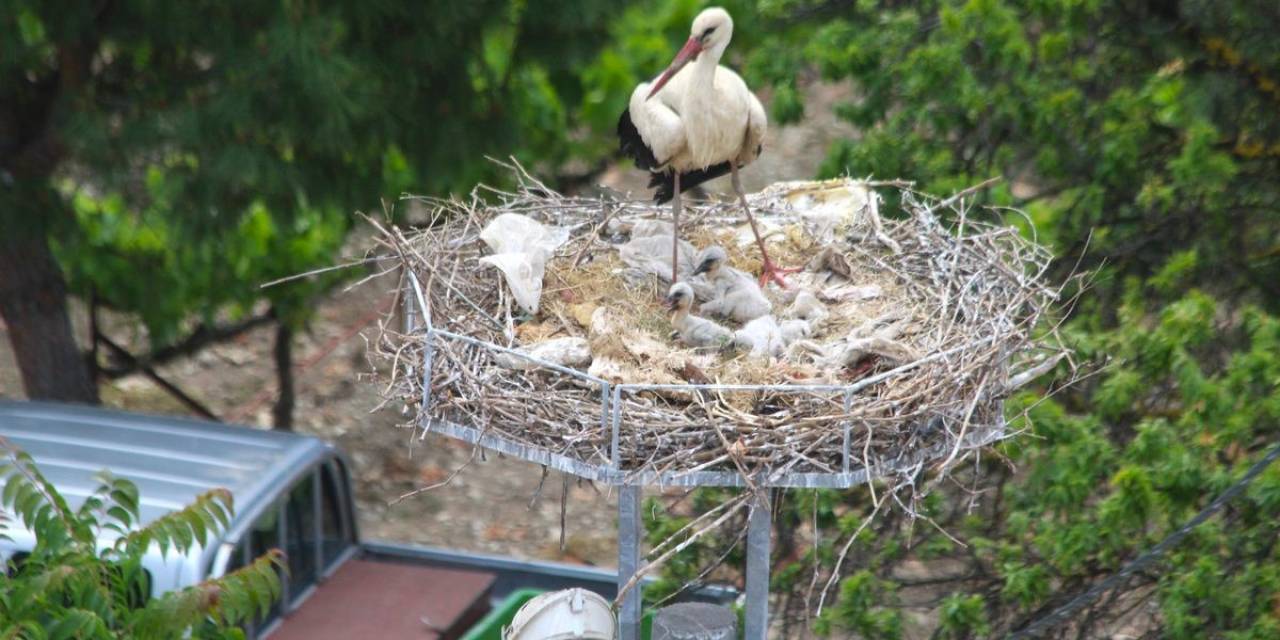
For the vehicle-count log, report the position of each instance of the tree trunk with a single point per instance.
(282, 413)
(33, 302)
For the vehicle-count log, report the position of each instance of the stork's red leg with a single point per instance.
(769, 271)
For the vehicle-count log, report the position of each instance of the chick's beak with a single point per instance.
(687, 54)
(703, 267)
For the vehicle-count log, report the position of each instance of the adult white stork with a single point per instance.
(697, 122)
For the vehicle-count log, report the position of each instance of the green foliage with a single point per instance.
(963, 617)
(1142, 139)
(1182, 424)
(197, 150)
(68, 587)
(686, 566)
(861, 609)
(115, 245)
(1153, 126)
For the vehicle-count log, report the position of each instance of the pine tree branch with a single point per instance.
(202, 337)
(172, 389)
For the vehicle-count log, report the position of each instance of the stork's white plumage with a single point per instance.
(696, 122)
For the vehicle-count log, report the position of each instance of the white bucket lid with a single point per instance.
(570, 614)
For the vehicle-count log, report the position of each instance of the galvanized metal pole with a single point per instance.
(630, 531)
(759, 528)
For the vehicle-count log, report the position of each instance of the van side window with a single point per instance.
(263, 537)
(333, 541)
(301, 536)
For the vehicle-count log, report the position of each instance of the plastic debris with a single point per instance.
(521, 247)
(850, 293)
(826, 210)
(566, 352)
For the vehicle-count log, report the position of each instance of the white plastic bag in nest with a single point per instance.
(769, 230)
(521, 247)
(645, 228)
(566, 352)
(824, 210)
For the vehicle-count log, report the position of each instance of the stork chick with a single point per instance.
(795, 329)
(760, 337)
(804, 315)
(694, 331)
(736, 294)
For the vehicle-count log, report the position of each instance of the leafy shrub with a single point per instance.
(68, 587)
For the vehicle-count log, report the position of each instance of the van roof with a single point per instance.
(172, 460)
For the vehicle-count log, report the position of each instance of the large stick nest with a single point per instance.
(935, 314)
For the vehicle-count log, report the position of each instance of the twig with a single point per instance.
(835, 571)
(431, 487)
(738, 503)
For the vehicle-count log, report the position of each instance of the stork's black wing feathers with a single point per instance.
(633, 145)
(665, 181)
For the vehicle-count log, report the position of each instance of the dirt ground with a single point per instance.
(489, 505)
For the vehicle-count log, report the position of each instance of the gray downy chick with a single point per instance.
(693, 330)
(736, 294)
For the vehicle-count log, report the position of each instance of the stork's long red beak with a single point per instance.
(687, 54)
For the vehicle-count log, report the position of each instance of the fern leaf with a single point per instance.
(11, 486)
(71, 624)
(125, 494)
(178, 530)
(26, 502)
(121, 516)
(233, 599)
(26, 489)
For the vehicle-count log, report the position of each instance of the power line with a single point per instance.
(1065, 612)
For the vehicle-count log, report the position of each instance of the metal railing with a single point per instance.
(610, 471)
(612, 409)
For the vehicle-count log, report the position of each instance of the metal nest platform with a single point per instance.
(610, 396)
(977, 297)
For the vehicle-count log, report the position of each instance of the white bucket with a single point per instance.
(570, 614)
